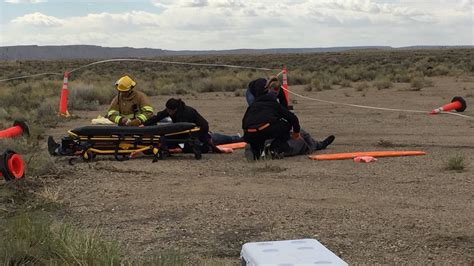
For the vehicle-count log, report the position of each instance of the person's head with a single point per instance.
(125, 84)
(173, 105)
(258, 86)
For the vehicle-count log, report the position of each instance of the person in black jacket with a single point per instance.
(260, 86)
(178, 111)
(267, 119)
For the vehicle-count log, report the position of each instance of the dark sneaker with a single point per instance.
(52, 146)
(327, 141)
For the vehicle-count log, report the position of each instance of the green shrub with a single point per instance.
(88, 96)
(346, 83)
(383, 83)
(219, 83)
(299, 77)
(322, 82)
(456, 163)
(440, 70)
(361, 86)
(401, 77)
(32, 238)
(417, 83)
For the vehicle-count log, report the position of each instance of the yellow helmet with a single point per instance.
(125, 83)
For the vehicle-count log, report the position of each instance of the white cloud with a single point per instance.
(24, 1)
(228, 24)
(132, 18)
(38, 19)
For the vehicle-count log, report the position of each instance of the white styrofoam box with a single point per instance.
(288, 253)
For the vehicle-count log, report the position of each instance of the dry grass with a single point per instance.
(50, 194)
(456, 163)
(383, 83)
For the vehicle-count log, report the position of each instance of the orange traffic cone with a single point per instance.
(12, 165)
(285, 87)
(19, 128)
(64, 93)
(457, 103)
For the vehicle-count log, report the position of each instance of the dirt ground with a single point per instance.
(396, 210)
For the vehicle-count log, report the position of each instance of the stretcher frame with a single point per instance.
(126, 146)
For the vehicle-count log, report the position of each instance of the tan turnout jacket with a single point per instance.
(135, 107)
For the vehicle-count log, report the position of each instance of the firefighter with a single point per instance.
(130, 107)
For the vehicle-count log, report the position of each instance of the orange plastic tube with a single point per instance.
(12, 165)
(351, 155)
(19, 128)
(285, 84)
(235, 146)
(64, 95)
(11, 132)
(457, 103)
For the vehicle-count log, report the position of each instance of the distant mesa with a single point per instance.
(35, 52)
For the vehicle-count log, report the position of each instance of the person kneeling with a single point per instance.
(178, 111)
(267, 124)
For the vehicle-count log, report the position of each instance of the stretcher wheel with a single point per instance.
(88, 156)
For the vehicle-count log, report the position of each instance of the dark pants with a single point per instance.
(218, 138)
(279, 131)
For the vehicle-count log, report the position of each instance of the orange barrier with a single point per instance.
(235, 146)
(64, 94)
(19, 128)
(457, 103)
(351, 155)
(12, 165)
(285, 87)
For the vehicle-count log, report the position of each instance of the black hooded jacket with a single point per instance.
(257, 88)
(265, 109)
(184, 113)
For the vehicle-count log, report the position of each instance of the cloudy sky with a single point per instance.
(231, 24)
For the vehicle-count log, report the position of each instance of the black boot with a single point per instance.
(52, 146)
(326, 142)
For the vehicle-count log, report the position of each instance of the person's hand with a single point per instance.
(295, 135)
(133, 123)
(123, 121)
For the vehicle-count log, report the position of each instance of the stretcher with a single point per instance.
(125, 142)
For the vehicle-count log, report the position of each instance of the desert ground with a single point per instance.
(408, 210)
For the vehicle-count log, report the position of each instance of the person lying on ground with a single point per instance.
(292, 147)
(178, 111)
(266, 119)
(260, 86)
(130, 107)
